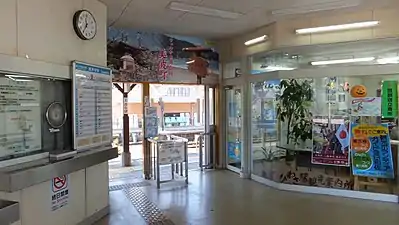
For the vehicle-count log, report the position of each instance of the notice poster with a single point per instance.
(366, 106)
(170, 153)
(92, 105)
(371, 151)
(20, 117)
(330, 142)
(234, 152)
(59, 192)
(151, 122)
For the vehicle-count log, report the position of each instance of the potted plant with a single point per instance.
(269, 156)
(293, 110)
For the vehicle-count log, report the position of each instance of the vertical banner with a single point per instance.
(330, 142)
(371, 151)
(389, 99)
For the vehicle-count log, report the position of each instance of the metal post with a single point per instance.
(158, 172)
(173, 171)
(200, 152)
(153, 149)
(186, 160)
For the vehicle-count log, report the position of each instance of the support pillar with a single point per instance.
(146, 144)
(126, 155)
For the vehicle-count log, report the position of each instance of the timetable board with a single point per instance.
(92, 105)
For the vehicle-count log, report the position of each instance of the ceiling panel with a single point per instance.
(154, 15)
(241, 6)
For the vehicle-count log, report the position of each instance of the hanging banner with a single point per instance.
(330, 142)
(366, 106)
(389, 99)
(371, 151)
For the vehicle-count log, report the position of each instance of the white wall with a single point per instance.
(43, 31)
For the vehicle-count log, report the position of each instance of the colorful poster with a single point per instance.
(234, 151)
(366, 106)
(330, 142)
(371, 151)
(389, 99)
(138, 56)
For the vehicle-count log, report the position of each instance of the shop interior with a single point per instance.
(321, 116)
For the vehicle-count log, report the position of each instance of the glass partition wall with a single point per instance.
(326, 134)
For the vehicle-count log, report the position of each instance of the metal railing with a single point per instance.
(169, 150)
(211, 156)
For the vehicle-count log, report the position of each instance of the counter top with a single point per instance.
(24, 175)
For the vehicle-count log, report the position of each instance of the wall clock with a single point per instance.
(85, 25)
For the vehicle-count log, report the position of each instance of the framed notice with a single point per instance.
(170, 153)
(92, 105)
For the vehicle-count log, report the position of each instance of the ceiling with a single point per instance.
(300, 57)
(153, 15)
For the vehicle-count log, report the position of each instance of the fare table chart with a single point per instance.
(92, 90)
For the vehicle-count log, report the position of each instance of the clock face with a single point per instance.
(85, 25)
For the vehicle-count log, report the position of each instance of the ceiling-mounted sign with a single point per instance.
(92, 106)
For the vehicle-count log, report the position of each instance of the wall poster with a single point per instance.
(92, 105)
(330, 142)
(371, 151)
(151, 122)
(139, 56)
(370, 106)
(20, 116)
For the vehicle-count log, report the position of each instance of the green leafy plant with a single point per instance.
(293, 109)
(271, 155)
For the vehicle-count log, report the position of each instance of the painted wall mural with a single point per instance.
(137, 56)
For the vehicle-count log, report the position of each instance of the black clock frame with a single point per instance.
(76, 28)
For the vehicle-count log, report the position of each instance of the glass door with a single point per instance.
(234, 133)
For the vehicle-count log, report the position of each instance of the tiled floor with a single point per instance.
(222, 198)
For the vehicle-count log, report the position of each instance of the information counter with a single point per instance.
(68, 192)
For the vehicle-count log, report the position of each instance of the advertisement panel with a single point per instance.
(371, 150)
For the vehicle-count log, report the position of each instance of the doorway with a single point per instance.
(186, 111)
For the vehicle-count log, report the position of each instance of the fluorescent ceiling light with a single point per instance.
(391, 60)
(256, 40)
(342, 61)
(309, 8)
(183, 7)
(348, 26)
(278, 68)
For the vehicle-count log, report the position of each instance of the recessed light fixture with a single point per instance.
(342, 61)
(390, 60)
(201, 10)
(348, 26)
(256, 40)
(318, 7)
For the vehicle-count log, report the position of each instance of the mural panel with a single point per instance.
(137, 56)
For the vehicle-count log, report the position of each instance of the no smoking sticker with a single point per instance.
(60, 183)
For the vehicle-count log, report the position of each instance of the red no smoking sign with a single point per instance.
(60, 183)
